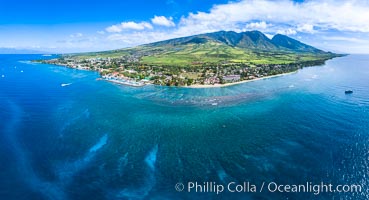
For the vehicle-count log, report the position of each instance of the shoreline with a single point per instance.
(236, 83)
(196, 86)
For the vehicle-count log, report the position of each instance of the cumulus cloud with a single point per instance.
(163, 21)
(326, 14)
(271, 17)
(114, 29)
(307, 28)
(128, 26)
(288, 31)
(135, 38)
(257, 25)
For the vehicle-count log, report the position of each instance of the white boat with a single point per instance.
(65, 84)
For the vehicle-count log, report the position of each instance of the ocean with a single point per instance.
(66, 135)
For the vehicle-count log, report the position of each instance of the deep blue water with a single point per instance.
(97, 140)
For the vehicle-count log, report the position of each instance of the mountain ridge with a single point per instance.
(250, 47)
(253, 40)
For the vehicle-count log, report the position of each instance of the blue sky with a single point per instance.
(81, 25)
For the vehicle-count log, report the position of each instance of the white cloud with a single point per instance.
(76, 35)
(128, 26)
(288, 31)
(114, 29)
(135, 38)
(163, 21)
(345, 39)
(270, 36)
(326, 14)
(307, 28)
(257, 25)
(136, 26)
(283, 16)
(341, 25)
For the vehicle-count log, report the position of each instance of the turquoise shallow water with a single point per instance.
(97, 140)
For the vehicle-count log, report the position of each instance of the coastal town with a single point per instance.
(130, 71)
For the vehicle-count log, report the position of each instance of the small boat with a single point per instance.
(65, 84)
(349, 92)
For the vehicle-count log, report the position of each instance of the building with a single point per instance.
(231, 78)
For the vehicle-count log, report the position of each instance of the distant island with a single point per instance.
(21, 51)
(206, 60)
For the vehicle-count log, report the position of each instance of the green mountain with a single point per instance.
(283, 41)
(251, 47)
(251, 40)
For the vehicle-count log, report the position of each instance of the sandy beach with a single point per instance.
(236, 83)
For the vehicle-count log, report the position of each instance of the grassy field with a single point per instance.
(197, 54)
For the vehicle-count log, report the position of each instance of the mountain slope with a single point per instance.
(293, 45)
(251, 40)
(254, 40)
(251, 47)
